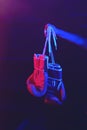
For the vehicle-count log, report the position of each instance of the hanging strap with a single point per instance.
(49, 32)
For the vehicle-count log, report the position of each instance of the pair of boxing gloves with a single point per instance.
(46, 80)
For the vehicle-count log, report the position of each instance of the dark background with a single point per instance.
(21, 35)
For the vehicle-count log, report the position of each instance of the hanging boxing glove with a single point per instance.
(37, 81)
(56, 91)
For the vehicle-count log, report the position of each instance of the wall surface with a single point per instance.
(21, 35)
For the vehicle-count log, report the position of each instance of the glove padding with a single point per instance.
(55, 95)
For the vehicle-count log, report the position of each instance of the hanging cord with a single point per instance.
(49, 31)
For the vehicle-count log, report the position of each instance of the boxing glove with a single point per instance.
(37, 81)
(56, 90)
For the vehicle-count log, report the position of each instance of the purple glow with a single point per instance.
(10, 8)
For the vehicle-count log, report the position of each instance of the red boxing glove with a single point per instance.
(37, 81)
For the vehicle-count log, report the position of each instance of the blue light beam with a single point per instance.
(70, 37)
